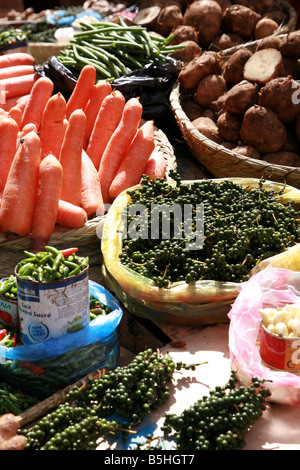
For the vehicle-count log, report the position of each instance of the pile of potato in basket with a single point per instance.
(250, 103)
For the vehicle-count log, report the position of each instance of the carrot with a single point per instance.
(135, 160)
(52, 128)
(17, 58)
(8, 142)
(15, 113)
(47, 202)
(16, 71)
(70, 157)
(106, 122)
(39, 96)
(91, 195)
(156, 166)
(22, 101)
(82, 91)
(100, 91)
(118, 144)
(20, 190)
(17, 86)
(70, 216)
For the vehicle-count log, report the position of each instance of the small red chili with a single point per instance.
(69, 251)
(2, 333)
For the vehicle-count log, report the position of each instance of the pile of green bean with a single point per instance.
(50, 265)
(114, 49)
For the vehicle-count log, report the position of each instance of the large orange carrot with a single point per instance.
(82, 91)
(39, 96)
(47, 202)
(91, 196)
(15, 113)
(8, 142)
(52, 128)
(18, 86)
(20, 190)
(70, 157)
(17, 58)
(31, 127)
(100, 91)
(135, 160)
(106, 122)
(16, 71)
(70, 216)
(156, 166)
(118, 144)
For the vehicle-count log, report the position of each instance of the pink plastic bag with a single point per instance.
(272, 287)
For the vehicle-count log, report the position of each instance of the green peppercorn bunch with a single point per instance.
(129, 392)
(220, 420)
(241, 227)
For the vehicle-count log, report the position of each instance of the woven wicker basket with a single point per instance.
(43, 407)
(215, 158)
(86, 238)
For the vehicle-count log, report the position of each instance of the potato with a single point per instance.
(189, 51)
(282, 96)
(262, 129)
(223, 3)
(265, 27)
(240, 20)
(270, 42)
(241, 97)
(209, 113)
(229, 125)
(263, 66)
(169, 18)
(290, 67)
(208, 128)
(206, 17)
(283, 158)
(291, 143)
(226, 41)
(209, 89)
(207, 63)
(184, 33)
(233, 70)
(290, 44)
(247, 151)
(192, 109)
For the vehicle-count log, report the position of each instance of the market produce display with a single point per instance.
(114, 49)
(218, 421)
(249, 104)
(64, 155)
(214, 25)
(241, 227)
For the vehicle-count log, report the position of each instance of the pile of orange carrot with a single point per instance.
(62, 160)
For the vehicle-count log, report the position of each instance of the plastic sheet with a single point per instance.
(272, 287)
(43, 368)
(202, 302)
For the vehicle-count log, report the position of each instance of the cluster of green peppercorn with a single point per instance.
(241, 227)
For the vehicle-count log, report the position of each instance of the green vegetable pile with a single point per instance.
(12, 36)
(114, 49)
(131, 392)
(50, 265)
(13, 400)
(218, 421)
(241, 227)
